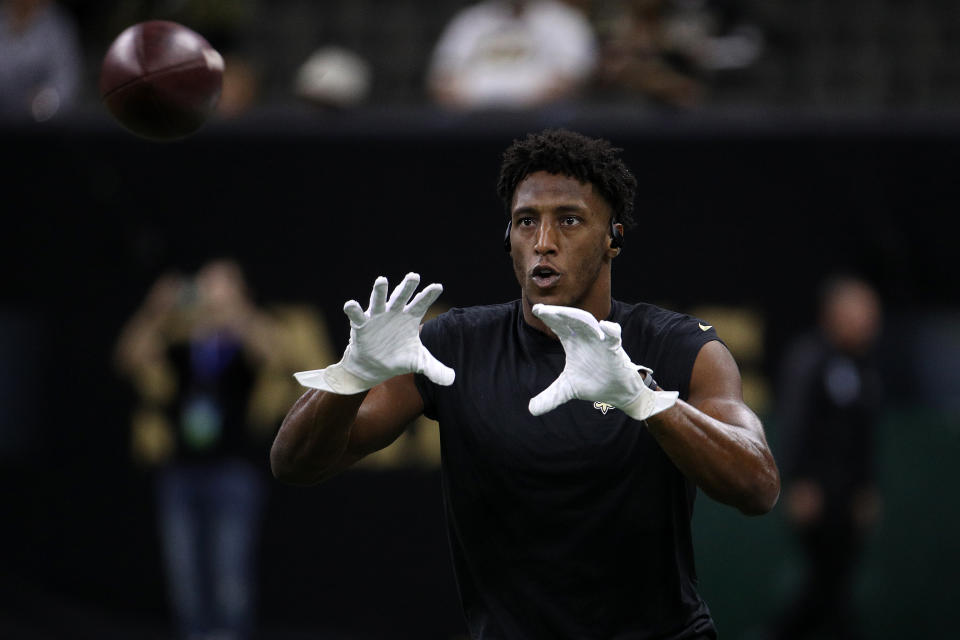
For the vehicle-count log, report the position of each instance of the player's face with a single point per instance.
(560, 242)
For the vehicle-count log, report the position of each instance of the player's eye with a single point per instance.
(569, 220)
(526, 221)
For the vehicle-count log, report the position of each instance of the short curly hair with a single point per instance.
(562, 152)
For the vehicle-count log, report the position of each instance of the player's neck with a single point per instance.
(597, 300)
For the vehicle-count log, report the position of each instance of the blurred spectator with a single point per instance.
(828, 407)
(241, 85)
(639, 59)
(719, 35)
(40, 60)
(333, 77)
(194, 351)
(666, 51)
(229, 27)
(512, 54)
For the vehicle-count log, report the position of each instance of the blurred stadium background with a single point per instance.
(835, 144)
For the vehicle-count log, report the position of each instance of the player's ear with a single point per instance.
(616, 239)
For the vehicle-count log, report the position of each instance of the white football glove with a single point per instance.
(597, 367)
(384, 342)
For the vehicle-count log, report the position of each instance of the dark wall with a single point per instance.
(740, 213)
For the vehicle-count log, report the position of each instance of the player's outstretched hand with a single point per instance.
(384, 341)
(597, 367)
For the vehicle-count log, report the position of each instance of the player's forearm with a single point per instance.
(728, 461)
(314, 436)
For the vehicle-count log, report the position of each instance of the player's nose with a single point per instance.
(546, 239)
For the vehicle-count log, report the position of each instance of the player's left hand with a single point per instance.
(597, 367)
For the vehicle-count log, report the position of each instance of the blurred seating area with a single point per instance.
(860, 55)
(788, 56)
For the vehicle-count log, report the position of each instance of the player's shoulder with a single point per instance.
(653, 319)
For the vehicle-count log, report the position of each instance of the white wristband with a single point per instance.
(649, 403)
(335, 379)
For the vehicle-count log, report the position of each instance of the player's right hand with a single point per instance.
(384, 341)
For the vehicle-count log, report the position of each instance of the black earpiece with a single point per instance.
(616, 238)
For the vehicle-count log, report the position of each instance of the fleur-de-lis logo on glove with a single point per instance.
(597, 367)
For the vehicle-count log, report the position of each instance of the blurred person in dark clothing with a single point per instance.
(828, 409)
(639, 58)
(193, 352)
(40, 60)
(669, 52)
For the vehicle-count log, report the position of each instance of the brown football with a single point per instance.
(161, 80)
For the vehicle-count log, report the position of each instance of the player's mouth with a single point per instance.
(544, 276)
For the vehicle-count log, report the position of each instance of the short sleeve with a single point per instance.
(684, 338)
(434, 336)
(694, 341)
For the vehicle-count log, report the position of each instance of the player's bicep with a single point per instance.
(386, 411)
(716, 388)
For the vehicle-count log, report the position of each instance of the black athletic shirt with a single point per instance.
(574, 524)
